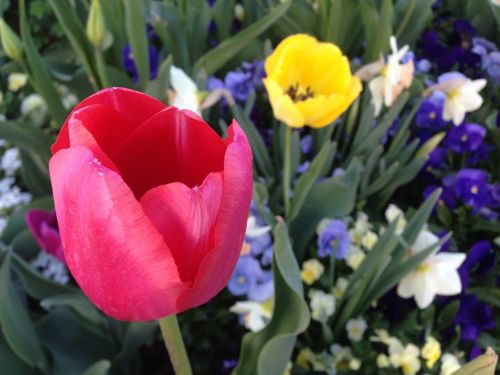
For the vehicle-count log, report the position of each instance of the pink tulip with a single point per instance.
(151, 203)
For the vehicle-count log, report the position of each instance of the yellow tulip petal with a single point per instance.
(284, 108)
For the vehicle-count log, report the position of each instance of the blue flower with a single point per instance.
(333, 236)
(465, 138)
(306, 144)
(492, 65)
(471, 187)
(473, 317)
(430, 113)
(249, 279)
(131, 67)
(240, 84)
(480, 260)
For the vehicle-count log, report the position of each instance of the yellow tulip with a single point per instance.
(309, 82)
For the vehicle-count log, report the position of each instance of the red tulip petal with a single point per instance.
(80, 136)
(218, 264)
(186, 218)
(113, 250)
(172, 146)
(135, 106)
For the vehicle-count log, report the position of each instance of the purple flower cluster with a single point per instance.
(490, 58)
(240, 82)
(252, 276)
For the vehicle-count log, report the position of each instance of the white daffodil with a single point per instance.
(255, 315)
(312, 270)
(185, 91)
(356, 329)
(253, 229)
(404, 357)
(322, 305)
(462, 95)
(16, 81)
(449, 364)
(389, 79)
(437, 275)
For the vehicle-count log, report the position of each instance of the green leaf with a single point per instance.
(36, 285)
(28, 138)
(79, 347)
(135, 26)
(99, 368)
(268, 351)
(74, 30)
(377, 27)
(226, 50)
(136, 335)
(412, 23)
(16, 324)
(11, 363)
(447, 314)
(40, 74)
(334, 197)
(35, 174)
(25, 245)
(307, 180)
(259, 149)
(74, 299)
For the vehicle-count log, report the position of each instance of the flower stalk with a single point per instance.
(175, 345)
(287, 161)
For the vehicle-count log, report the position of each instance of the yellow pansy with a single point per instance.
(431, 351)
(309, 82)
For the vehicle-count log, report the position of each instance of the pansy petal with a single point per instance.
(114, 252)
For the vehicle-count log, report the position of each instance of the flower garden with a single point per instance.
(250, 187)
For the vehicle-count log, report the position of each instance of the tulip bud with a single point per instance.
(430, 145)
(485, 364)
(96, 27)
(11, 43)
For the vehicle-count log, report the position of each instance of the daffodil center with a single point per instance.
(298, 94)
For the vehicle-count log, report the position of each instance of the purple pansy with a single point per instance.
(250, 279)
(465, 138)
(131, 67)
(430, 113)
(471, 186)
(43, 226)
(333, 237)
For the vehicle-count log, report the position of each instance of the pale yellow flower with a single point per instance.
(312, 270)
(431, 351)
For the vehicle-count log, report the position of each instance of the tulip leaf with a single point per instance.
(307, 180)
(220, 55)
(73, 28)
(17, 222)
(35, 174)
(99, 368)
(268, 351)
(81, 345)
(447, 314)
(372, 19)
(25, 245)
(39, 72)
(259, 149)
(36, 285)
(411, 23)
(12, 364)
(27, 138)
(136, 334)
(16, 324)
(135, 25)
(334, 197)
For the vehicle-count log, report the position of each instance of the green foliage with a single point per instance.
(268, 351)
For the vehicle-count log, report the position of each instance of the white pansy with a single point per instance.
(404, 357)
(255, 315)
(354, 257)
(356, 329)
(383, 361)
(449, 364)
(185, 91)
(392, 213)
(322, 305)
(436, 275)
(10, 162)
(340, 287)
(361, 227)
(32, 102)
(16, 81)
(354, 364)
(253, 229)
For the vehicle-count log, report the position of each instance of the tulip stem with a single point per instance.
(287, 161)
(175, 345)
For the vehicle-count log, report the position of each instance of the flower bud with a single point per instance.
(430, 145)
(96, 27)
(11, 43)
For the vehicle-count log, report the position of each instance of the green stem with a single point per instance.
(173, 341)
(331, 275)
(287, 161)
(101, 69)
(406, 18)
